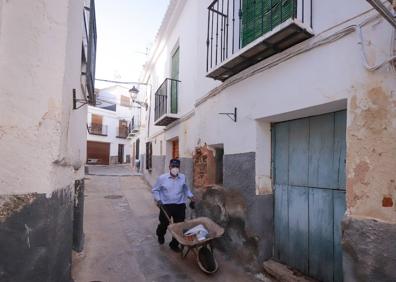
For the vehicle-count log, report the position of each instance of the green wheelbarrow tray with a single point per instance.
(202, 249)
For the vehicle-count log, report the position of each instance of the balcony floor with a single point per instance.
(165, 120)
(289, 33)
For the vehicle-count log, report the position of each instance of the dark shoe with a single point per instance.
(161, 240)
(175, 248)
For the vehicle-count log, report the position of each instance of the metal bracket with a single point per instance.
(75, 101)
(232, 116)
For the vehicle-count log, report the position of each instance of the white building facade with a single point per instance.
(294, 100)
(109, 125)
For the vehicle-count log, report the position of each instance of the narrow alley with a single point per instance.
(265, 127)
(120, 242)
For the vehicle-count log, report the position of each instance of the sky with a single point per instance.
(125, 29)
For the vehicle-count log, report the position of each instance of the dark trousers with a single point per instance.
(175, 211)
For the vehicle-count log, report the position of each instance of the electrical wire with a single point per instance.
(121, 82)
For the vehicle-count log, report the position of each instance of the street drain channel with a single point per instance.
(113, 197)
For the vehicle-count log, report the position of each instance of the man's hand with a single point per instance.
(192, 199)
(159, 203)
(192, 203)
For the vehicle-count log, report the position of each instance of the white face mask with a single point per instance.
(174, 171)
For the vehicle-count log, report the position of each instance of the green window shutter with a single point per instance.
(174, 84)
(261, 16)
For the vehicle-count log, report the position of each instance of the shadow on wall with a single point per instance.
(228, 209)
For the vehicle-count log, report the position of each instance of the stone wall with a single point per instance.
(33, 249)
(186, 167)
(246, 217)
(369, 250)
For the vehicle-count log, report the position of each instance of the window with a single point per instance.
(125, 101)
(261, 16)
(149, 155)
(174, 84)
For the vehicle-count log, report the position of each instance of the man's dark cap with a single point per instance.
(174, 163)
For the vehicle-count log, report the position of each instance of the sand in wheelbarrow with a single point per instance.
(206, 259)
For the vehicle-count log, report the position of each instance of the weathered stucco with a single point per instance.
(369, 250)
(371, 153)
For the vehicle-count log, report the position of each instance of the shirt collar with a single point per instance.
(170, 176)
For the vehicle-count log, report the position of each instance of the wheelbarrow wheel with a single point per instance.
(206, 260)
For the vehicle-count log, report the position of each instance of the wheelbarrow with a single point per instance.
(203, 249)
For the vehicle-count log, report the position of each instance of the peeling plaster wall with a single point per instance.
(371, 154)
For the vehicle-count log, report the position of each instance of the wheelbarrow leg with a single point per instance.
(183, 255)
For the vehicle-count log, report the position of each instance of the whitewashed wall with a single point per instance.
(315, 82)
(295, 84)
(111, 119)
(42, 138)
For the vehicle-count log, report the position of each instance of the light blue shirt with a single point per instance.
(171, 190)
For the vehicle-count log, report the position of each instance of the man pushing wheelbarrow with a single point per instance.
(171, 193)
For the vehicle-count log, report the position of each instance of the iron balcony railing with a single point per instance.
(233, 24)
(166, 98)
(97, 129)
(122, 132)
(135, 124)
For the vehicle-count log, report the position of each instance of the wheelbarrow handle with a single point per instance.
(161, 207)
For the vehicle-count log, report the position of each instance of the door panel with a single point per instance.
(339, 210)
(340, 146)
(298, 152)
(323, 171)
(321, 234)
(281, 222)
(298, 225)
(120, 153)
(175, 149)
(282, 154)
(310, 200)
(98, 152)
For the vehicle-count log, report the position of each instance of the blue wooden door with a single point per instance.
(309, 180)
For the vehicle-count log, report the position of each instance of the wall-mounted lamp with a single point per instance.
(133, 92)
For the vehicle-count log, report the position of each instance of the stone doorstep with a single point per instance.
(284, 273)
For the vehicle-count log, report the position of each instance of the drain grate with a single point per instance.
(113, 197)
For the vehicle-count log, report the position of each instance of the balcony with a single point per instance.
(166, 102)
(122, 132)
(243, 33)
(97, 129)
